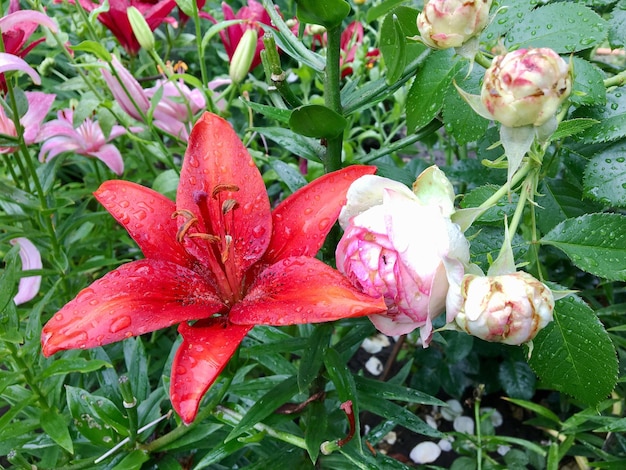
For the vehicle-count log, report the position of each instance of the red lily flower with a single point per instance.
(116, 20)
(219, 256)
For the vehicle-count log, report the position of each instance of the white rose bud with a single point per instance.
(509, 309)
(451, 23)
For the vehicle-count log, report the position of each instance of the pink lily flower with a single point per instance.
(88, 139)
(174, 111)
(31, 259)
(38, 106)
(9, 62)
(116, 19)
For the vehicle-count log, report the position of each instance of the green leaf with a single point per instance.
(298, 145)
(376, 11)
(280, 115)
(612, 118)
(596, 243)
(186, 6)
(517, 379)
(617, 26)
(328, 13)
(265, 406)
(288, 175)
(166, 183)
(137, 367)
(388, 391)
(432, 82)
(463, 123)
(536, 408)
(55, 426)
(605, 176)
(316, 430)
(77, 364)
(565, 30)
(588, 88)
(496, 214)
(572, 127)
(574, 353)
(94, 48)
(315, 120)
(560, 200)
(392, 47)
(133, 461)
(312, 356)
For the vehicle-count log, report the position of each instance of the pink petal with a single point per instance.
(300, 290)
(9, 62)
(207, 346)
(111, 157)
(31, 259)
(147, 216)
(22, 17)
(302, 221)
(38, 106)
(136, 298)
(127, 91)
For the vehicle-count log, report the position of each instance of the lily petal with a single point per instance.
(217, 168)
(302, 221)
(111, 157)
(147, 217)
(31, 259)
(10, 62)
(301, 290)
(26, 19)
(206, 348)
(136, 298)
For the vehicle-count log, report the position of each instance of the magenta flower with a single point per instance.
(254, 14)
(10, 62)
(31, 259)
(174, 111)
(88, 139)
(18, 27)
(116, 19)
(38, 106)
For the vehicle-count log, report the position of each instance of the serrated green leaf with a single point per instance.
(55, 426)
(572, 127)
(328, 13)
(496, 214)
(77, 364)
(432, 82)
(508, 13)
(265, 406)
(460, 120)
(318, 121)
(574, 353)
(486, 242)
(596, 243)
(392, 47)
(605, 176)
(559, 200)
(617, 26)
(565, 30)
(298, 145)
(517, 379)
(612, 118)
(588, 88)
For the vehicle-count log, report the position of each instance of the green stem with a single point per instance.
(527, 189)
(616, 80)
(332, 97)
(234, 417)
(25, 370)
(481, 60)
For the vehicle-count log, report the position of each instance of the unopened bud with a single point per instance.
(140, 28)
(243, 56)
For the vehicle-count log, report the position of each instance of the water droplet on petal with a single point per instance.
(120, 324)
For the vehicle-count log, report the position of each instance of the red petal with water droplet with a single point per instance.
(302, 290)
(206, 348)
(147, 216)
(302, 221)
(134, 299)
(216, 158)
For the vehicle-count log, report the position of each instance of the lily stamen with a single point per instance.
(223, 187)
(228, 205)
(205, 236)
(183, 229)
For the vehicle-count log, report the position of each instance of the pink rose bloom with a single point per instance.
(402, 245)
(509, 309)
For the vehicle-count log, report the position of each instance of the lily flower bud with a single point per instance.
(140, 27)
(451, 23)
(242, 58)
(509, 309)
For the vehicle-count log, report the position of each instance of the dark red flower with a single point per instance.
(219, 257)
(116, 19)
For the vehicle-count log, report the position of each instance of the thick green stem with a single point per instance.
(332, 97)
(616, 80)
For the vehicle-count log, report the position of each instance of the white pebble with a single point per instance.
(503, 450)
(390, 438)
(431, 421)
(375, 344)
(445, 445)
(451, 411)
(425, 452)
(463, 424)
(494, 416)
(374, 366)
